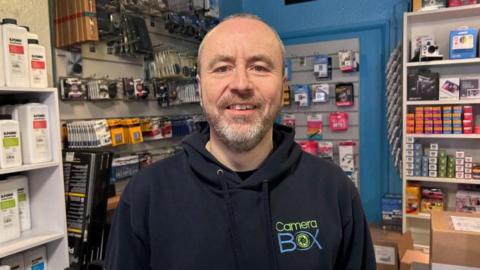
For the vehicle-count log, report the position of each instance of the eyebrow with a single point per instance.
(231, 59)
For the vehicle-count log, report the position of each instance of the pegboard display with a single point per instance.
(301, 60)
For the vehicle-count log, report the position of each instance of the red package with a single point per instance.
(338, 121)
(456, 3)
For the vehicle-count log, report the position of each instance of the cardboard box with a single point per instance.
(452, 249)
(390, 247)
(415, 260)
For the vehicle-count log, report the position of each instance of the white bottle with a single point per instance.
(9, 216)
(10, 146)
(15, 54)
(36, 259)
(38, 62)
(34, 125)
(14, 261)
(23, 196)
(5, 267)
(2, 69)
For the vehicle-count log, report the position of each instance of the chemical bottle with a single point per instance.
(2, 69)
(15, 55)
(14, 261)
(36, 259)
(21, 184)
(9, 215)
(34, 123)
(10, 146)
(37, 58)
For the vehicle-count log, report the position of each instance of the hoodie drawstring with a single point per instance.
(231, 220)
(268, 218)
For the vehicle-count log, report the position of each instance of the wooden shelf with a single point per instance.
(31, 167)
(29, 239)
(445, 136)
(443, 180)
(444, 102)
(448, 62)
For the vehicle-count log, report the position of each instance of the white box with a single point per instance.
(432, 160)
(432, 174)
(36, 258)
(469, 159)
(409, 153)
(468, 176)
(346, 157)
(409, 160)
(434, 146)
(459, 161)
(433, 153)
(468, 165)
(468, 170)
(410, 166)
(460, 154)
(409, 146)
(459, 168)
(432, 167)
(410, 140)
(409, 172)
(459, 175)
(449, 89)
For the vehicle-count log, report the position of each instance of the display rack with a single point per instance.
(438, 23)
(47, 199)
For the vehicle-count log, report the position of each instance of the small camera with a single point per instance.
(430, 51)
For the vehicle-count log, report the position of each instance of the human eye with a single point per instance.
(260, 68)
(221, 69)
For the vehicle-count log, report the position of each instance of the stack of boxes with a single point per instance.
(468, 167)
(467, 119)
(450, 166)
(457, 119)
(392, 212)
(414, 156)
(433, 160)
(447, 120)
(441, 120)
(459, 164)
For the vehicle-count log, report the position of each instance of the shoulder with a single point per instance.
(148, 179)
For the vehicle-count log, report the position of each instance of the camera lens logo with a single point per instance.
(303, 241)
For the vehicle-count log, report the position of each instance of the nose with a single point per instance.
(240, 80)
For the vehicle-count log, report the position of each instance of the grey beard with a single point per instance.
(240, 142)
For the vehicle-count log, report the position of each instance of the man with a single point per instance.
(242, 194)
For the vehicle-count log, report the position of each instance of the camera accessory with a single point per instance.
(429, 50)
(72, 88)
(347, 156)
(325, 150)
(449, 89)
(344, 96)
(422, 86)
(470, 88)
(322, 67)
(433, 4)
(288, 119)
(338, 121)
(128, 88)
(320, 93)
(315, 126)
(463, 43)
(348, 61)
(302, 94)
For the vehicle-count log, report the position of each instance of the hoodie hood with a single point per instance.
(285, 155)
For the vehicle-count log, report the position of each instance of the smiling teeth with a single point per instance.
(241, 107)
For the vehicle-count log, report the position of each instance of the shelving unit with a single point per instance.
(438, 24)
(47, 199)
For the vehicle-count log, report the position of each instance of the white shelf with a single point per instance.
(444, 102)
(470, 61)
(25, 168)
(445, 136)
(29, 239)
(419, 216)
(444, 14)
(443, 180)
(9, 90)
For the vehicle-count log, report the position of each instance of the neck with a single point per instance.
(243, 161)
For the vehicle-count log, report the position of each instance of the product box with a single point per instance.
(433, 4)
(346, 156)
(467, 201)
(463, 43)
(415, 260)
(422, 86)
(344, 94)
(322, 67)
(456, 3)
(449, 89)
(469, 88)
(453, 244)
(390, 247)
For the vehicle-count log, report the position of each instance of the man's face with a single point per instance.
(241, 82)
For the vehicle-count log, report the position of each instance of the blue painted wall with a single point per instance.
(378, 26)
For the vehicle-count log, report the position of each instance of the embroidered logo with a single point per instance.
(301, 236)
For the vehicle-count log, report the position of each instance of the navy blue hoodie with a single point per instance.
(187, 212)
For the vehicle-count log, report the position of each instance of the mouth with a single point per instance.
(241, 107)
